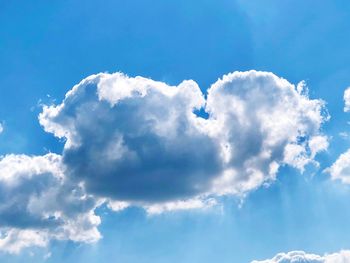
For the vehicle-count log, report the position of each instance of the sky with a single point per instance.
(174, 131)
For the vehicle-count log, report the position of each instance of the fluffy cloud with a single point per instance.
(38, 203)
(14, 240)
(1, 128)
(135, 140)
(262, 121)
(302, 257)
(340, 170)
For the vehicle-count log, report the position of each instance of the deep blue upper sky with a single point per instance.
(48, 46)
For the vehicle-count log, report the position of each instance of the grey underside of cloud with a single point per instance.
(144, 148)
(303, 257)
(135, 141)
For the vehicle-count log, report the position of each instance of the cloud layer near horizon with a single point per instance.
(135, 141)
(302, 257)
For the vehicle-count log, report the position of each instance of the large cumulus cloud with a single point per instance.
(302, 257)
(38, 203)
(142, 141)
(135, 141)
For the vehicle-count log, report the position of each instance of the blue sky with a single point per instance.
(48, 47)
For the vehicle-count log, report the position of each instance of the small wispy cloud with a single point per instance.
(347, 100)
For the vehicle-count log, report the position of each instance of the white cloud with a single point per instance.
(302, 257)
(318, 144)
(117, 205)
(262, 121)
(38, 203)
(136, 140)
(340, 169)
(159, 208)
(14, 240)
(1, 127)
(347, 100)
(181, 205)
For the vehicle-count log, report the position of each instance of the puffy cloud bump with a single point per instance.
(141, 141)
(262, 121)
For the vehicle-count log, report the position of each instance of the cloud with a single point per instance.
(261, 122)
(139, 141)
(302, 257)
(38, 203)
(135, 141)
(181, 205)
(1, 127)
(14, 240)
(340, 169)
(347, 100)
